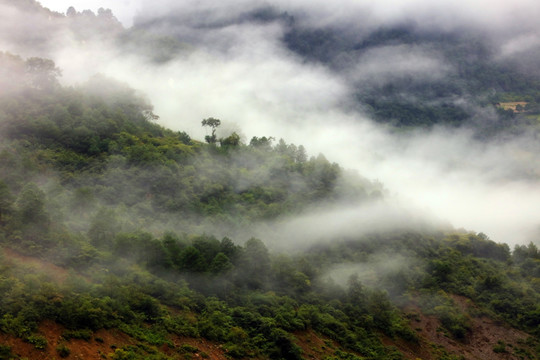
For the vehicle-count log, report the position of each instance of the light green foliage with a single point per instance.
(39, 341)
(83, 334)
(136, 353)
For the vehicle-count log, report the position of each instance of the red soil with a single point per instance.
(478, 344)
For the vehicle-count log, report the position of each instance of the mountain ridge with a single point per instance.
(124, 239)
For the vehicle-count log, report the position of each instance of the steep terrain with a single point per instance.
(107, 229)
(123, 239)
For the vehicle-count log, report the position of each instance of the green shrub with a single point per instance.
(153, 337)
(38, 341)
(500, 347)
(235, 351)
(453, 320)
(63, 350)
(82, 334)
(5, 352)
(340, 355)
(121, 354)
(16, 326)
(186, 348)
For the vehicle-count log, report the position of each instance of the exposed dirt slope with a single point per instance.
(103, 344)
(315, 346)
(487, 339)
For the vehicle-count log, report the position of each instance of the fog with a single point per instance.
(345, 221)
(371, 273)
(386, 63)
(241, 72)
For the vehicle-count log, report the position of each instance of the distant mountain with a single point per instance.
(122, 239)
(404, 75)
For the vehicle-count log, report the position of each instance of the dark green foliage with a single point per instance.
(403, 114)
(220, 264)
(191, 260)
(6, 202)
(213, 124)
(411, 99)
(129, 213)
(254, 265)
(285, 347)
(63, 351)
(5, 353)
(500, 347)
(454, 321)
(103, 229)
(31, 205)
(341, 355)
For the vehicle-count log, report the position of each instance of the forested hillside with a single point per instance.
(109, 223)
(122, 238)
(465, 66)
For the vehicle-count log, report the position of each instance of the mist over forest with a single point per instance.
(403, 96)
(257, 173)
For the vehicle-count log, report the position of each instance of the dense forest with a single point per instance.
(126, 212)
(123, 239)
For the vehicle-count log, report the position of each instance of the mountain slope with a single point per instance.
(128, 229)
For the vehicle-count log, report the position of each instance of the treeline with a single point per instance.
(253, 301)
(105, 143)
(89, 182)
(96, 153)
(251, 304)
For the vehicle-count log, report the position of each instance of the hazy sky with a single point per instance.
(243, 74)
(124, 10)
(514, 14)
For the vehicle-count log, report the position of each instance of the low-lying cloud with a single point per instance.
(379, 66)
(242, 73)
(346, 221)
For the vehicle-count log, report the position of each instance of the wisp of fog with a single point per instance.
(238, 69)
